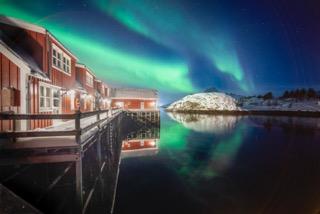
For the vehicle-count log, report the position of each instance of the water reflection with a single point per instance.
(226, 164)
(143, 142)
(214, 124)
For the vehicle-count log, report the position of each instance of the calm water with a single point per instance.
(222, 164)
(192, 164)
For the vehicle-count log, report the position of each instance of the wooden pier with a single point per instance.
(86, 145)
(145, 116)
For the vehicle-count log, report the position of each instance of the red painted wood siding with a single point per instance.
(9, 77)
(34, 105)
(81, 77)
(150, 104)
(62, 79)
(128, 104)
(134, 104)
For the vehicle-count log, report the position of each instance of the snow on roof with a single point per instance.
(28, 26)
(81, 65)
(133, 93)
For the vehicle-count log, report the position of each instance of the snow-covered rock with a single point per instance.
(214, 101)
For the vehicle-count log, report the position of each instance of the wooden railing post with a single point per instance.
(98, 114)
(79, 183)
(77, 126)
(14, 128)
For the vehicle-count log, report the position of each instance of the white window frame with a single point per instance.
(89, 79)
(46, 108)
(56, 98)
(62, 63)
(45, 97)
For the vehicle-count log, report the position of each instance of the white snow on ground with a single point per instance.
(217, 101)
(69, 125)
(213, 101)
(213, 124)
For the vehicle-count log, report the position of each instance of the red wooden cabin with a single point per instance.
(50, 85)
(134, 99)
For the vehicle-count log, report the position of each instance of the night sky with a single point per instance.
(181, 47)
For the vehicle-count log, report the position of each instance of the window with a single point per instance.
(56, 98)
(45, 98)
(89, 79)
(60, 60)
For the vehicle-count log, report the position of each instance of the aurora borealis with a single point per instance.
(181, 47)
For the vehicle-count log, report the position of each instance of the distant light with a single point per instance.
(152, 143)
(71, 92)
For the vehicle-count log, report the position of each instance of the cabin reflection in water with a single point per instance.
(144, 142)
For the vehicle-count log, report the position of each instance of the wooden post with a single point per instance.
(14, 128)
(79, 184)
(99, 154)
(98, 114)
(77, 126)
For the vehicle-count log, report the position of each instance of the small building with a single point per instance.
(134, 99)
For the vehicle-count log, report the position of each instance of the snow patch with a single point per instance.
(214, 101)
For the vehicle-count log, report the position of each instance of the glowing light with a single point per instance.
(119, 104)
(71, 92)
(114, 65)
(165, 24)
(152, 143)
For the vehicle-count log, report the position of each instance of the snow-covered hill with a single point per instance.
(213, 101)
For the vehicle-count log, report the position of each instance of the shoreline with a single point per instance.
(251, 112)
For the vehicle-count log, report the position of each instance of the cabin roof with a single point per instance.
(128, 93)
(28, 26)
(81, 65)
(23, 57)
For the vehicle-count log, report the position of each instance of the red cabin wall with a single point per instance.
(63, 80)
(59, 78)
(34, 105)
(150, 104)
(134, 104)
(128, 104)
(9, 77)
(81, 77)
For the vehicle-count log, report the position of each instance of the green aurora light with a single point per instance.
(164, 25)
(111, 64)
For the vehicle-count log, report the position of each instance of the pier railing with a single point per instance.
(50, 131)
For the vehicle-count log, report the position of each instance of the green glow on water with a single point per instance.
(176, 142)
(172, 136)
